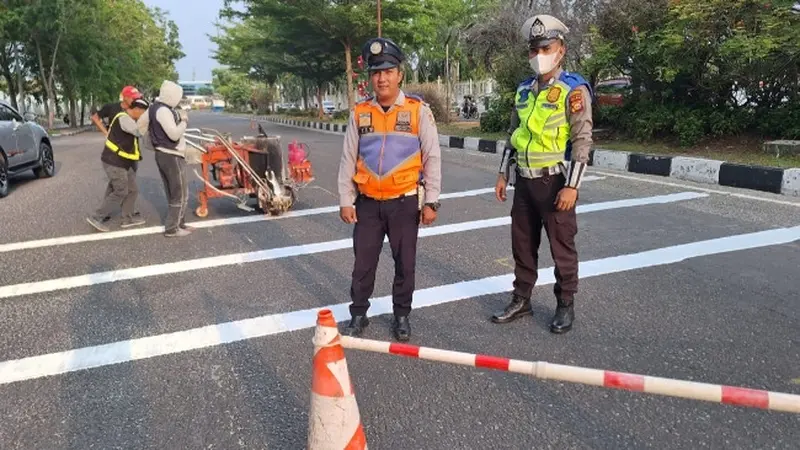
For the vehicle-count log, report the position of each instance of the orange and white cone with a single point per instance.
(334, 422)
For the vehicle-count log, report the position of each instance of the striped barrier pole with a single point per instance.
(617, 380)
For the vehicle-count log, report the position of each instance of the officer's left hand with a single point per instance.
(566, 199)
(428, 215)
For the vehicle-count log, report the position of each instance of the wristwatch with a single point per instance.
(434, 206)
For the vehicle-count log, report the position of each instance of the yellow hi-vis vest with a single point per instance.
(120, 142)
(542, 138)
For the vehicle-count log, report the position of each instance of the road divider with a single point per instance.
(213, 335)
(91, 279)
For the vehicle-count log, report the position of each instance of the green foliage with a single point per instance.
(699, 69)
(702, 68)
(498, 115)
(234, 87)
(85, 49)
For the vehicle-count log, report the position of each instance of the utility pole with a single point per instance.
(379, 18)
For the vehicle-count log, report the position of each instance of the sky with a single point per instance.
(195, 19)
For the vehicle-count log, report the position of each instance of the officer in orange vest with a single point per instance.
(389, 182)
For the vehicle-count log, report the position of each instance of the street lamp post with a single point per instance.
(379, 18)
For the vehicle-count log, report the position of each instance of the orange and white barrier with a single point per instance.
(617, 380)
(334, 422)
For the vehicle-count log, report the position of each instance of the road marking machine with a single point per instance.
(254, 167)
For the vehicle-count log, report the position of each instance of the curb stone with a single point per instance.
(70, 133)
(766, 179)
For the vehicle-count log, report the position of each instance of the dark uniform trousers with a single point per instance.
(534, 207)
(398, 219)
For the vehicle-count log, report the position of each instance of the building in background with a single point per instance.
(191, 88)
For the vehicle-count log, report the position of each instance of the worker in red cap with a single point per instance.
(102, 118)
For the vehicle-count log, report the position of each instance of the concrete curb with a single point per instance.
(766, 179)
(71, 133)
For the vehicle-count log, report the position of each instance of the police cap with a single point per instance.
(381, 53)
(542, 30)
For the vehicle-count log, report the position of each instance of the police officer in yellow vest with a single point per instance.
(120, 158)
(391, 145)
(548, 153)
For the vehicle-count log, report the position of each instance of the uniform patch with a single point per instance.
(553, 94)
(549, 106)
(403, 121)
(365, 123)
(576, 101)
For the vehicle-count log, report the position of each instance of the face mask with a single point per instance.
(542, 64)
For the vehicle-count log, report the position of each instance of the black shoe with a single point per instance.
(356, 326)
(401, 328)
(562, 321)
(519, 307)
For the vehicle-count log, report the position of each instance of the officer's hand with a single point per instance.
(566, 199)
(500, 188)
(348, 214)
(428, 215)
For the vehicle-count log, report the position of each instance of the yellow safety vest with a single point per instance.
(119, 141)
(542, 138)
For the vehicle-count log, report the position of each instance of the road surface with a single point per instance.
(132, 340)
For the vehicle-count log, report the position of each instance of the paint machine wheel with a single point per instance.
(201, 212)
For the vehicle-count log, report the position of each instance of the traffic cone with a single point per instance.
(334, 422)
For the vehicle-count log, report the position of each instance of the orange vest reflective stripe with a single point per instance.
(389, 156)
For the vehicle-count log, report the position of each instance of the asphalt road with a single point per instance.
(723, 312)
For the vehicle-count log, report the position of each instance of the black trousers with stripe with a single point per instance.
(534, 209)
(398, 219)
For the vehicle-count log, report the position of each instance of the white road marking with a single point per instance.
(65, 240)
(696, 188)
(213, 335)
(91, 279)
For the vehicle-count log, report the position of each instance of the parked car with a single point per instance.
(612, 92)
(328, 107)
(24, 145)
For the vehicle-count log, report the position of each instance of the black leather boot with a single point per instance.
(562, 321)
(356, 326)
(519, 307)
(401, 328)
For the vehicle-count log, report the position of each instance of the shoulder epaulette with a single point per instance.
(573, 79)
(526, 83)
(415, 97)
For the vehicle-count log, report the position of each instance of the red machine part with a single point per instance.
(299, 165)
(226, 175)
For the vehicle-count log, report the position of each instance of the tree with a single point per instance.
(347, 23)
(84, 49)
(233, 86)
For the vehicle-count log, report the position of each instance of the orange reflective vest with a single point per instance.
(389, 161)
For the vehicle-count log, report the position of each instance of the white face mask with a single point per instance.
(543, 64)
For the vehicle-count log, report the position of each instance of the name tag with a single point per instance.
(549, 106)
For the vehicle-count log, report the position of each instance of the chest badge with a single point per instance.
(364, 123)
(403, 121)
(553, 94)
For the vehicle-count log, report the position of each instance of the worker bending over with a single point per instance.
(120, 158)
